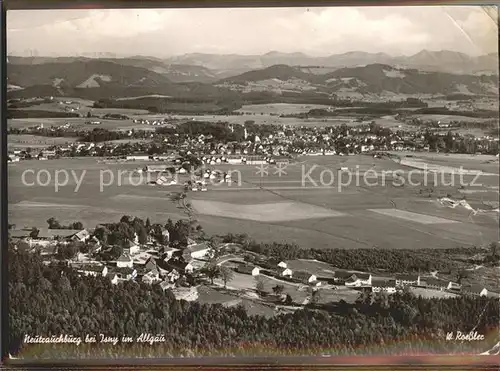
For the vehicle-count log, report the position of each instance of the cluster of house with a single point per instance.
(363, 280)
(148, 262)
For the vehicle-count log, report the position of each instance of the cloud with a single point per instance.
(317, 31)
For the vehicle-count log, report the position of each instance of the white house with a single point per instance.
(384, 286)
(198, 251)
(169, 252)
(453, 286)
(287, 272)
(282, 265)
(132, 249)
(248, 269)
(173, 275)
(151, 277)
(305, 277)
(408, 279)
(124, 261)
(475, 291)
(137, 158)
(359, 279)
(436, 284)
(81, 236)
(122, 274)
(93, 270)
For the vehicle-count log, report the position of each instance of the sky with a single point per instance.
(314, 31)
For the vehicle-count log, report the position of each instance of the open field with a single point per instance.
(318, 268)
(280, 108)
(448, 118)
(275, 212)
(34, 141)
(77, 123)
(209, 295)
(344, 221)
(327, 295)
(429, 293)
(83, 106)
(406, 215)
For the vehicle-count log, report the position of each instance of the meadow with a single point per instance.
(36, 141)
(267, 208)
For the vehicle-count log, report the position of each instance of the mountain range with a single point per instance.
(215, 75)
(210, 67)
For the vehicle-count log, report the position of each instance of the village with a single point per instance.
(282, 285)
(269, 142)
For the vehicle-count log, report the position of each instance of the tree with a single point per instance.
(288, 300)
(148, 224)
(260, 287)
(212, 271)
(214, 251)
(101, 233)
(278, 290)
(34, 232)
(315, 296)
(77, 225)
(65, 252)
(53, 223)
(493, 249)
(125, 219)
(226, 274)
(143, 235)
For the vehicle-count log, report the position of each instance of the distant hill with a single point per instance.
(173, 72)
(370, 79)
(142, 76)
(83, 74)
(439, 61)
(448, 61)
(281, 72)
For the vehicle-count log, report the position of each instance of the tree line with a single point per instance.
(53, 300)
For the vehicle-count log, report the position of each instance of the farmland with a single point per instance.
(36, 141)
(340, 214)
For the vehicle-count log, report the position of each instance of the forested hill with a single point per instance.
(53, 300)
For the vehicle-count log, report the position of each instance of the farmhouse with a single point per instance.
(151, 277)
(93, 270)
(181, 266)
(248, 269)
(169, 252)
(384, 286)
(304, 277)
(173, 275)
(474, 291)
(81, 236)
(137, 157)
(406, 279)
(156, 168)
(359, 279)
(282, 265)
(124, 261)
(198, 251)
(122, 274)
(436, 284)
(341, 277)
(286, 272)
(132, 248)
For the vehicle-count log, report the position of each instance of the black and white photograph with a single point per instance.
(190, 183)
